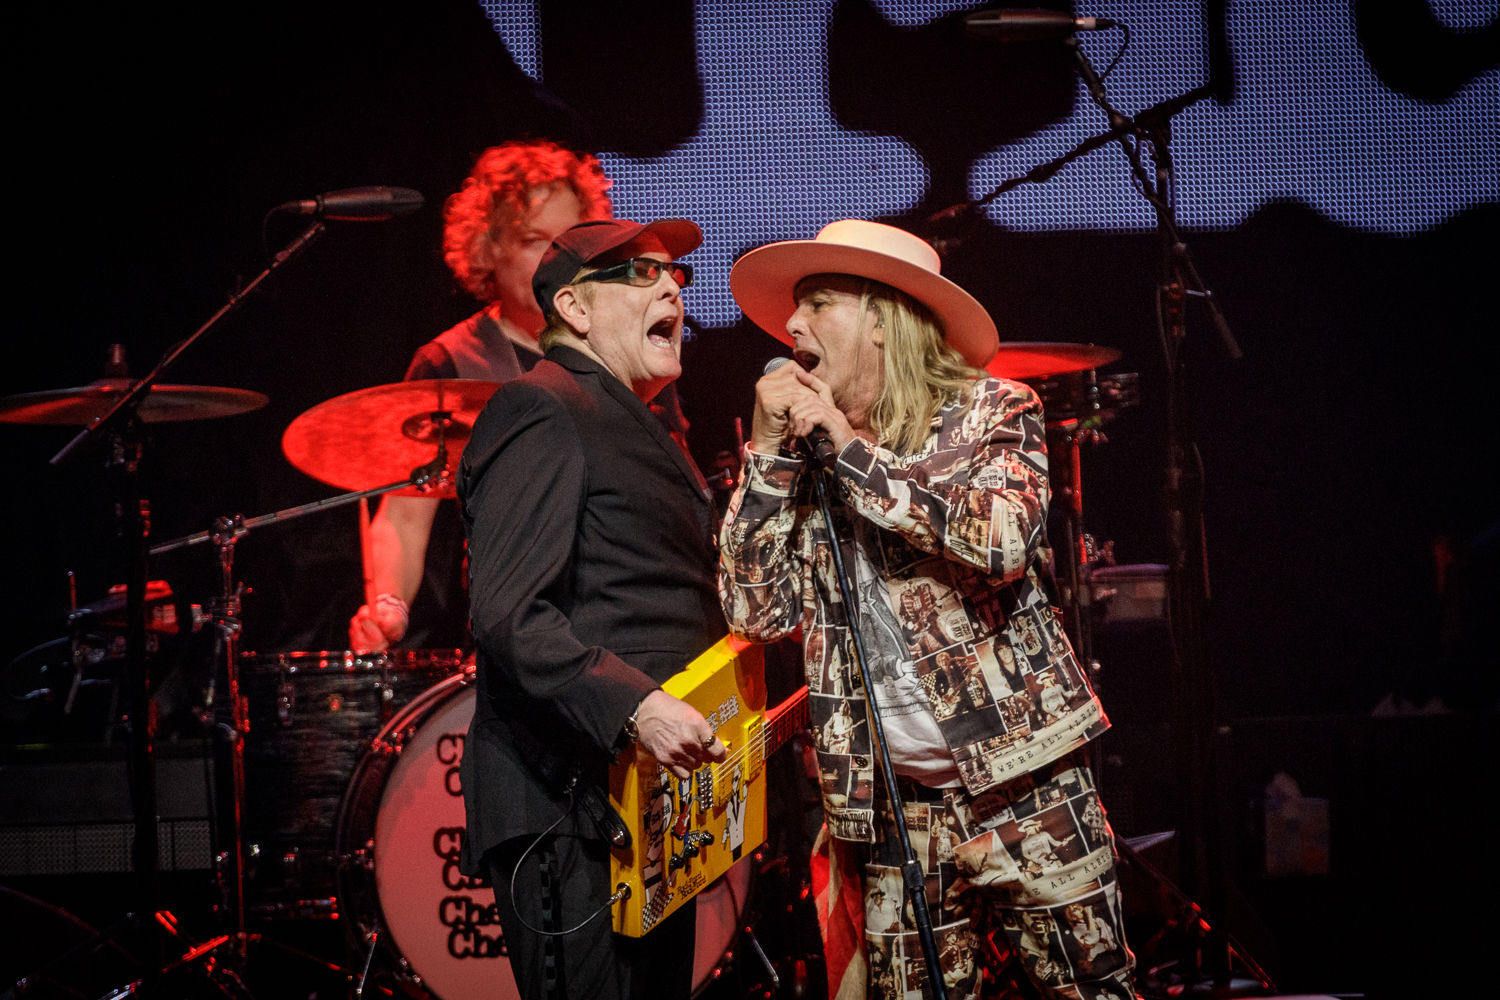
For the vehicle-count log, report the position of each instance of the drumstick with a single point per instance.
(366, 555)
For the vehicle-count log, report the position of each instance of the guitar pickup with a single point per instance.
(705, 783)
(757, 749)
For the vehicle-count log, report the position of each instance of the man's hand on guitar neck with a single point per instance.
(674, 732)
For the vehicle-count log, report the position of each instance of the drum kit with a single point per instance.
(346, 799)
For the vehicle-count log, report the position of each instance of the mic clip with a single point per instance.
(818, 447)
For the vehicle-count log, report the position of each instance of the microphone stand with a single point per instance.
(121, 427)
(912, 879)
(1192, 682)
(1194, 701)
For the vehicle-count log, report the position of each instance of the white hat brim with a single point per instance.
(764, 283)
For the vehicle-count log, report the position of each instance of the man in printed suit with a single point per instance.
(591, 582)
(939, 501)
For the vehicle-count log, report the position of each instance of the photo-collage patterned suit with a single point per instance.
(944, 547)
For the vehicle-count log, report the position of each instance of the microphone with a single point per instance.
(817, 440)
(362, 204)
(1029, 24)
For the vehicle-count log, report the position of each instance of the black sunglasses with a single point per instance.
(643, 272)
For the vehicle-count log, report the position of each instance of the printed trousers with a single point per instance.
(1026, 869)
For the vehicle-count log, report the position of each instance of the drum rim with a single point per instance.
(341, 661)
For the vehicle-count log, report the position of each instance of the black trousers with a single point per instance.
(560, 883)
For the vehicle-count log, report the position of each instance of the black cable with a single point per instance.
(38, 649)
(623, 892)
(1123, 46)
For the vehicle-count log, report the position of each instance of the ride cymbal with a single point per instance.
(81, 405)
(378, 435)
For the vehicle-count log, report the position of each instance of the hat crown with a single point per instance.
(880, 238)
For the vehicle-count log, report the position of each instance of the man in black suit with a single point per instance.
(591, 581)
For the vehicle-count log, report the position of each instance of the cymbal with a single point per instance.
(161, 611)
(165, 403)
(378, 435)
(1033, 359)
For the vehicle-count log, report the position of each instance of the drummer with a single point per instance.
(517, 199)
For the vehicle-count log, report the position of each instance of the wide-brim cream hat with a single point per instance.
(764, 281)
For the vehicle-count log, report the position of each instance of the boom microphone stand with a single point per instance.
(912, 879)
(1193, 688)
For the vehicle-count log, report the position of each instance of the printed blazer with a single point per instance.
(945, 547)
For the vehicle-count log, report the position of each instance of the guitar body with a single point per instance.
(685, 834)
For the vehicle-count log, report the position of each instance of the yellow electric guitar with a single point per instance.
(686, 833)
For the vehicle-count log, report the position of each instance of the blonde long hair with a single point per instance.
(922, 372)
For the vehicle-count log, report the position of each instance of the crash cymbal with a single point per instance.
(1034, 359)
(378, 435)
(82, 404)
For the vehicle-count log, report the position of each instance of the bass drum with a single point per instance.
(400, 828)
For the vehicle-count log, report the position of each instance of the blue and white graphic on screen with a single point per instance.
(1310, 122)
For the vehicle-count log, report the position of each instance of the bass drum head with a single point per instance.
(442, 921)
(441, 928)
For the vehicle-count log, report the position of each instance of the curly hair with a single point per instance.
(496, 194)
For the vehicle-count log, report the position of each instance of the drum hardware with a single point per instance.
(1076, 405)
(286, 702)
(113, 411)
(224, 613)
(114, 414)
(362, 859)
(372, 938)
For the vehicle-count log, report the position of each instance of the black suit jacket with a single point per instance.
(591, 568)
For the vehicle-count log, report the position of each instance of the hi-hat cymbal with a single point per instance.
(82, 404)
(378, 435)
(1034, 359)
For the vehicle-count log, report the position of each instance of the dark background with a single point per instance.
(1346, 453)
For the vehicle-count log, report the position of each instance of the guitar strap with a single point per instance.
(562, 774)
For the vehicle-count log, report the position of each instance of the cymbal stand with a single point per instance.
(224, 612)
(1067, 485)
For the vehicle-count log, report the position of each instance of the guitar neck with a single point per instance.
(785, 721)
